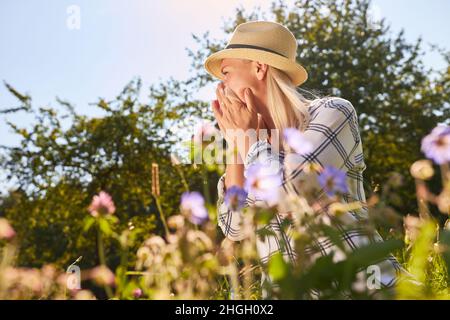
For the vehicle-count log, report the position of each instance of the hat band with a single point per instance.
(249, 46)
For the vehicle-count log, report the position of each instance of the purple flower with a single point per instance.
(194, 205)
(297, 141)
(235, 198)
(333, 180)
(263, 181)
(436, 145)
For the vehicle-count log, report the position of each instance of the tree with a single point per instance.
(397, 99)
(59, 170)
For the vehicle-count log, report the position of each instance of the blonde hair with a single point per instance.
(287, 106)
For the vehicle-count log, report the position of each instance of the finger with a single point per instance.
(220, 126)
(227, 116)
(223, 98)
(223, 106)
(249, 101)
(222, 115)
(219, 100)
(223, 102)
(226, 95)
(216, 109)
(218, 114)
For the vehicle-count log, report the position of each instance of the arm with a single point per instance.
(234, 174)
(334, 134)
(228, 220)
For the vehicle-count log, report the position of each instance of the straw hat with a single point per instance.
(263, 41)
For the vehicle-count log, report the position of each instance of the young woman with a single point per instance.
(259, 66)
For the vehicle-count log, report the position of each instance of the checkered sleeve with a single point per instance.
(328, 121)
(230, 221)
(333, 132)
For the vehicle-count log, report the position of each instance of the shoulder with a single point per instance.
(335, 112)
(332, 105)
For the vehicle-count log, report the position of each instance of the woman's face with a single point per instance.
(240, 74)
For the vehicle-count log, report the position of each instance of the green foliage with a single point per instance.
(64, 159)
(427, 266)
(58, 171)
(398, 99)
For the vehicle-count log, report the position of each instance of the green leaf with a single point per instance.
(278, 268)
(373, 252)
(88, 222)
(262, 233)
(445, 240)
(105, 226)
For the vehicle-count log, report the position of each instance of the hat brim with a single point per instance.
(294, 70)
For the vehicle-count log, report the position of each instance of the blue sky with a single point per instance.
(119, 40)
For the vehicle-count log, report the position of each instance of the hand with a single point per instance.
(235, 114)
(217, 110)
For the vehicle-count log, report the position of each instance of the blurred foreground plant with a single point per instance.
(192, 261)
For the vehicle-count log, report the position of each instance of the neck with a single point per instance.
(263, 109)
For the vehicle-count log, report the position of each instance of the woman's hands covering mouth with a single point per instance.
(236, 118)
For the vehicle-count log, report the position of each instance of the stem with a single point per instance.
(247, 279)
(205, 184)
(234, 277)
(123, 269)
(136, 273)
(101, 251)
(424, 211)
(161, 213)
(183, 179)
(445, 170)
(101, 256)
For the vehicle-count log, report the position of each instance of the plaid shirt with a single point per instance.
(333, 131)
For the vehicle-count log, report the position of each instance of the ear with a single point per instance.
(261, 70)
